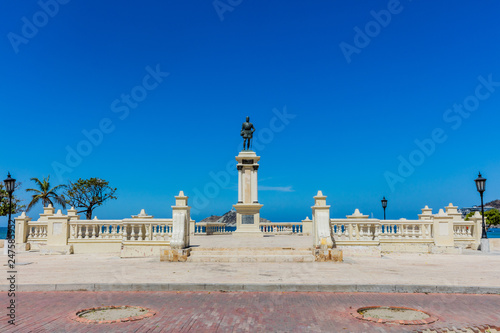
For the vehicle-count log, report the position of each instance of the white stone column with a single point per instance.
(321, 221)
(254, 185)
(181, 218)
(22, 229)
(240, 184)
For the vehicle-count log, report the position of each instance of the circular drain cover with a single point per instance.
(397, 315)
(112, 314)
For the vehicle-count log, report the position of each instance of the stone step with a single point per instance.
(250, 251)
(251, 254)
(251, 258)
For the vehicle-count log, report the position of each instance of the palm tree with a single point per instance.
(45, 193)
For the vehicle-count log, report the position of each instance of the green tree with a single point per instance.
(17, 205)
(88, 194)
(45, 193)
(492, 216)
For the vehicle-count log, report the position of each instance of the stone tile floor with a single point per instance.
(409, 269)
(249, 311)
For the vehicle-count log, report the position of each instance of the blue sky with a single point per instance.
(335, 109)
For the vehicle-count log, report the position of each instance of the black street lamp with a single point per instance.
(10, 183)
(384, 205)
(480, 184)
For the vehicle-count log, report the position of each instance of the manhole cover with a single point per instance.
(112, 314)
(397, 315)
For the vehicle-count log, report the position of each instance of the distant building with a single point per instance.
(467, 210)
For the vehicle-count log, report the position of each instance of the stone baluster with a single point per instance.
(140, 233)
(132, 232)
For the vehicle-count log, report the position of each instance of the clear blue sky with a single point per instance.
(352, 119)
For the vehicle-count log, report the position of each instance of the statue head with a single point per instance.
(248, 119)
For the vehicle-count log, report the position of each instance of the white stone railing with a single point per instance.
(344, 230)
(37, 231)
(211, 228)
(216, 229)
(373, 231)
(95, 229)
(406, 231)
(464, 231)
(281, 227)
(199, 228)
(147, 230)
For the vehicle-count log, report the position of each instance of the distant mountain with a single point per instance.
(228, 218)
(494, 203)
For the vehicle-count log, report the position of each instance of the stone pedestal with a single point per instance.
(443, 229)
(248, 207)
(485, 245)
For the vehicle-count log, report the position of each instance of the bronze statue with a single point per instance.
(247, 130)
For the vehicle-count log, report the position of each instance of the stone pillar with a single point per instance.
(307, 226)
(443, 229)
(22, 229)
(321, 222)
(192, 225)
(181, 218)
(248, 207)
(58, 229)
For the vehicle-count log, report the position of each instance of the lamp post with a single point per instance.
(384, 205)
(10, 183)
(480, 184)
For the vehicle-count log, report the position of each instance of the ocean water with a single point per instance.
(3, 232)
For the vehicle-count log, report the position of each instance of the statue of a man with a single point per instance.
(247, 130)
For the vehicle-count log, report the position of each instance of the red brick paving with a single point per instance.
(244, 311)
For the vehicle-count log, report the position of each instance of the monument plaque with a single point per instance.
(246, 219)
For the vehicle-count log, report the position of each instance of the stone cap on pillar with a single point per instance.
(426, 213)
(441, 215)
(320, 199)
(58, 215)
(73, 213)
(49, 210)
(181, 199)
(142, 215)
(357, 215)
(453, 211)
(23, 216)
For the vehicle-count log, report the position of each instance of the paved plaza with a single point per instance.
(249, 311)
(462, 291)
(452, 272)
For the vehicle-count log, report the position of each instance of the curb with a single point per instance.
(255, 287)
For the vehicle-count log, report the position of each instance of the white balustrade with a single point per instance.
(464, 230)
(95, 229)
(147, 230)
(281, 227)
(37, 231)
(359, 231)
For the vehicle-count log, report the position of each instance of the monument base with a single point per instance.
(241, 233)
(248, 220)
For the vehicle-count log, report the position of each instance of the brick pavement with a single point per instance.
(246, 311)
